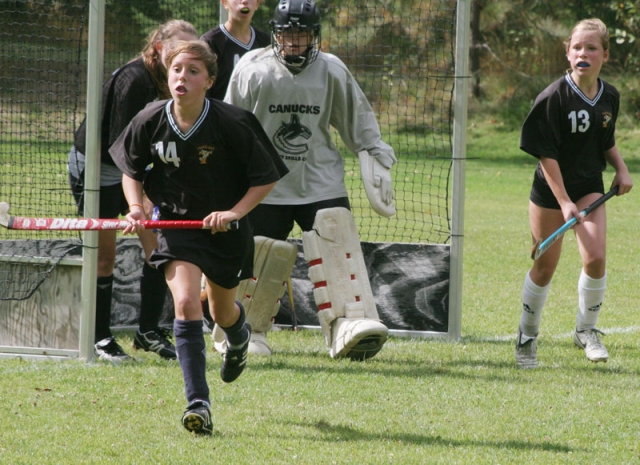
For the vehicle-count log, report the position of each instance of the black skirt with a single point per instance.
(225, 258)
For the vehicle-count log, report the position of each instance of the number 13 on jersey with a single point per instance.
(579, 122)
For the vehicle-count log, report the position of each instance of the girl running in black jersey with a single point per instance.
(211, 161)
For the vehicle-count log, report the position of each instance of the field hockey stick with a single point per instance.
(541, 246)
(91, 224)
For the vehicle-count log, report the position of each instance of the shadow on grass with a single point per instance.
(468, 364)
(382, 366)
(484, 370)
(342, 433)
(459, 363)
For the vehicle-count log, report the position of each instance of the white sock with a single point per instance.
(590, 297)
(533, 299)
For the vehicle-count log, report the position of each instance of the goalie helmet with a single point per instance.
(292, 21)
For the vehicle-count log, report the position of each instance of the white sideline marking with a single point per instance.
(606, 331)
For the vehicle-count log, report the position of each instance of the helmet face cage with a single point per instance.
(293, 20)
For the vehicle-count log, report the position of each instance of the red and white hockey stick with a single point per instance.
(89, 224)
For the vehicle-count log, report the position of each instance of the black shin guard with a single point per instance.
(104, 293)
(153, 291)
(237, 333)
(191, 350)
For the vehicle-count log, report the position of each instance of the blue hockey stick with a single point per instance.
(541, 246)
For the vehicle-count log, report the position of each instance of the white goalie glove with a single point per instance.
(377, 183)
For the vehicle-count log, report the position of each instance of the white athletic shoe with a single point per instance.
(357, 339)
(526, 351)
(590, 342)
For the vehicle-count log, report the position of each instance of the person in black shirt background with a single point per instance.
(129, 89)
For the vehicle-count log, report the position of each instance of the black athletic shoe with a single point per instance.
(234, 360)
(197, 418)
(108, 349)
(157, 341)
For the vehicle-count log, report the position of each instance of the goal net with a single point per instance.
(402, 53)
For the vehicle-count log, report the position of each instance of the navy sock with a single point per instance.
(153, 290)
(191, 350)
(237, 334)
(104, 293)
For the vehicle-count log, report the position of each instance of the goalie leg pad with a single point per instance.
(260, 295)
(341, 283)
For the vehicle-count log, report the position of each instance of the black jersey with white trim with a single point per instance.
(567, 126)
(127, 91)
(209, 168)
(229, 51)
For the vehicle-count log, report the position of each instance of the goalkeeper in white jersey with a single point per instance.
(298, 92)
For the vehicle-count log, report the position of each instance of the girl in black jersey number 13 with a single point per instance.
(211, 161)
(570, 129)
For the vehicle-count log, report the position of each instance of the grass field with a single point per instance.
(417, 402)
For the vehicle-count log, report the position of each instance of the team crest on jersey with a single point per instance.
(204, 153)
(606, 118)
(292, 137)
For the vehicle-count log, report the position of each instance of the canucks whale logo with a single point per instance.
(292, 137)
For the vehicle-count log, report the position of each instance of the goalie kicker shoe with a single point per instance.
(526, 351)
(590, 342)
(235, 359)
(197, 418)
(109, 350)
(357, 339)
(156, 340)
(258, 344)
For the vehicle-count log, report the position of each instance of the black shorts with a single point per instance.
(113, 203)
(276, 221)
(542, 195)
(225, 258)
